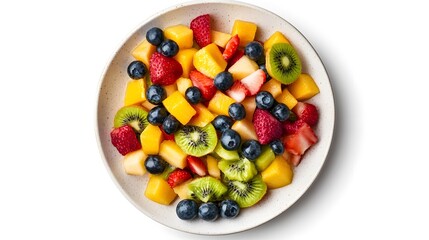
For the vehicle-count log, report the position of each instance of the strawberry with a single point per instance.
(295, 159)
(196, 165)
(201, 28)
(301, 140)
(307, 112)
(238, 91)
(125, 140)
(267, 127)
(291, 127)
(166, 136)
(164, 70)
(231, 47)
(237, 55)
(204, 83)
(177, 177)
(254, 81)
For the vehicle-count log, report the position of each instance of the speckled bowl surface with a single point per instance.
(223, 14)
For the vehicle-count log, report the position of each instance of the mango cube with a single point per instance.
(304, 87)
(220, 102)
(183, 84)
(274, 87)
(143, 52)
(170, 89)
(172, 154)
(146, 104)
(287, 98)
(209, 60)
(203, 116)
(181, 34)
(246, 31)
(134, 163)
(151, 138)
(177, 106)
(159, 191)
(212, 167)
(220, 38)
(185, 57)
(135, 92)
(278, 173)
(276, 37)
(246, 129)
(243, 68)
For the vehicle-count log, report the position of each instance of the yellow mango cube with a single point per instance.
(220, 102)
(133, 163)
(304, 87)
(274, 87)
(135, 92)
(212, 167)
(278, 174)
(183, 84)
(177, 106)
(246, 31)
(246, 129)
(243, 68)
(276, 37)
(203, 116)
(220, 38)
(151, 138)
(209, 60)
(172, 154)
(287, 98)
(143, 52)
(170, 89)
(185, 57)
(181, 34)
(159, 191)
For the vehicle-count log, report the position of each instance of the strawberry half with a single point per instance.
(201, 28)
(204, 83)
(178, 177)
(164, 70)
(307, 112)
(267, 127)
(254, 81)
(292, 127)
(301, 140)
(125, 140)
(238, 91)
(196, 165)
(231, 47)
(237, 55)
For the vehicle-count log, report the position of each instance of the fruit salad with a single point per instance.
(214, 118)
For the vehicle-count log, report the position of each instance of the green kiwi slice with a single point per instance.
(196, 141)
(265, 159)
(135, 116)
(247, 194)
(225, 154)
(207, 189)
(240, 170)
(283, 63)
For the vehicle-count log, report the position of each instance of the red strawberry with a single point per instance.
(237, 55)
(295, 159)
(307, 112)
(267, 127)
(164, 70)
(196, 165)
(125, 140)
(204, 83)
(238, 91)
(301, 140)
(177, 177)
(166, 136)
(231, 47)
(292, 127)
(254, 81)
(201, 28)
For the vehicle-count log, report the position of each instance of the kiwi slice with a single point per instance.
(240, 170)
(135, 116)
(196, 141)
(283, 63)
(207, 189)
(225, 154)
(265, 159)
(247, 194)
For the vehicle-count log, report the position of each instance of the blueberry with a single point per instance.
(230, 139)
(170, 124)
(277, 147)
(155, 36)
(223, 81)
(222, 123)
(254, 50)
(229, 209)
(168, 48)
(136, 70)
(155, 164)
(264, 100)
(264, 68)
(187, 209)
(236, 111)
(251, 149)
(193, 95)
(208, 211)
(157, 115)
(281, 112)
(155, 94)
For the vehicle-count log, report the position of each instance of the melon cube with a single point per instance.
(209, 60)
(246, 130)
(151, 138)
(135, 92)
(287, 98)
(181, 34)
(177, 106)
(274, 87)
(212, 167)
(304, 87)
(143, 52)
(185, 57)
(243, 68)
(159, 191)
(182, 190)
(278, 173)
(133, 163)
(249, 105)
(246, 31)
(202, 117)
(220, 38)
(172, 154)
(276, 37)
(146, 104)
(170, 89)
(183, 84)
(220, 102)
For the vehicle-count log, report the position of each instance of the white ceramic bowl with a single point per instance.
(223, 13)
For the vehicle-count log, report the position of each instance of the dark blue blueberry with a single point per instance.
(223, 81)
(170, 124)
(136, 70)
(264, 100)
(193, 95)
(155, 94)
(208, 211)
(281, 112)
(155, 164)
(168, 48)
(187, 209)
(236, 111)
(229, 209)
(254, 50)
(230, 139)
(155, 36)
(277, 147)
(222, 123)
(264, 68)
(251, 149)
(157, 115)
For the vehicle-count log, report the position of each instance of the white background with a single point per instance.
(53, 184)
